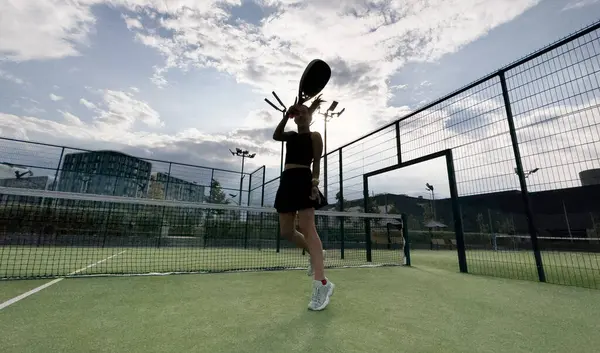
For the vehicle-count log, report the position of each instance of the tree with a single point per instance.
(505, 226)
(427, 211)
(217, 195)
(483, 227)
(413, 223)
(371, 206)
(156, 190)
(393, 209)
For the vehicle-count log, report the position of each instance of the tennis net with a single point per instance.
(58, 234)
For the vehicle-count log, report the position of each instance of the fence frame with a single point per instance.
(458, 226)
(526, 202)
(58, 167)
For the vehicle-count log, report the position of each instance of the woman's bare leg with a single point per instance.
(287, 227)
(313, 242)
(322, 287)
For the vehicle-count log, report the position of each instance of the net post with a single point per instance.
(406, 239)
(456, 213)
(367, 220)
(522, 182)
(342, 245)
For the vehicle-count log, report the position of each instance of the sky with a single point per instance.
(184, 80)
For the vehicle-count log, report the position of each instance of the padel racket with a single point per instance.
(314, 79)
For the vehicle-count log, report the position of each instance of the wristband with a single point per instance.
(315, 182)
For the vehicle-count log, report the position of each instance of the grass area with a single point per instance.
(427, 308)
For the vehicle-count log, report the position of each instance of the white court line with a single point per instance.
(46, 285)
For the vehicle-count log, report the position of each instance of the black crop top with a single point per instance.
(299, 149)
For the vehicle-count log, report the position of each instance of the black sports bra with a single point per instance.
(299, 149)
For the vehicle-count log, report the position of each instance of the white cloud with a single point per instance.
(132, 22)
(87, 104)
(579, 4)
(28, 105)
(365, 43)
(55, 97)
(50, 29)
(120, 116)
(10, 77)
(71, 119)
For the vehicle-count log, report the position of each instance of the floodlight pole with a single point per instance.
(244, 154)
(328, 115)
(430, 188)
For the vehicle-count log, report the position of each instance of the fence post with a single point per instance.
(210, 190)
(398, 146)
(457, 214)
(162, 218)
(249, 189)
(262, 196)
(341, 201)
(246, 213)
(168, 179)
(367, 220)
(262, 204)
(325, 177)
(522, 182)
(406, 239)
(55, 186)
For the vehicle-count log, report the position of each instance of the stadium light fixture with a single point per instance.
(327, 115)
(243, 154)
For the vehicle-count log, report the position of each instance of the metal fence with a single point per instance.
(61, 168)
(525, 141)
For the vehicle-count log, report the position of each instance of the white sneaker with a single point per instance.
(310, 271)
(320, 296)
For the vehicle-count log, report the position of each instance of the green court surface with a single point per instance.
(427, 308)
(560, 267)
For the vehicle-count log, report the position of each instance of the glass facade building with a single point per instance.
(105, 173)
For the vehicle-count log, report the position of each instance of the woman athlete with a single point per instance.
(298, 193)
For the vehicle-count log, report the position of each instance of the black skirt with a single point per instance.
(294, 192)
